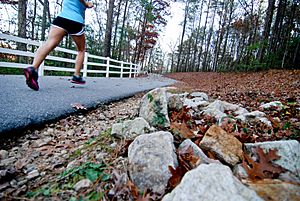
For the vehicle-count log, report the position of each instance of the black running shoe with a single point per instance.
(31, 78)
(77, 80)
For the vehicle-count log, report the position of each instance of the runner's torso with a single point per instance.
(73, 10)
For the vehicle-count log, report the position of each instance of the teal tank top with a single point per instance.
(73, 10)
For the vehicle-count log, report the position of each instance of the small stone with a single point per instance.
(195, 102)
(8, 161)
(71, 164)
(29, 168)
(100, 156)
(33, 137)
(85, 183)
(202, 95)
(3, 154)
(20, 190)
(15, 149)
(64, 152)
(275, 104)
(35, 154)
(4, 186)
(113, 145)
(25, 145)
(240, 172)
(22, 182)
(33, 174)
(101, 116)
(13, 183)
(41, 142)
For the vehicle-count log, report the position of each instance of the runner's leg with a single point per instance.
(80, 44)
(56, 35)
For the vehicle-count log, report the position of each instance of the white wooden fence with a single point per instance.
(109, 66)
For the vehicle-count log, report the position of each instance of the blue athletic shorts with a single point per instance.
(70, 26)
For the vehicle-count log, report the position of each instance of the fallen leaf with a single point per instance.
(263, 168)
(78, 106)
(183, 129)
(176, 177)
(186, 161)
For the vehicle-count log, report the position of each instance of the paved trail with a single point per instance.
(21, 107)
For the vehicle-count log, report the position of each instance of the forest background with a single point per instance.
(228, 35)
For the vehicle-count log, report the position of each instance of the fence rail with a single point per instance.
(107, 67)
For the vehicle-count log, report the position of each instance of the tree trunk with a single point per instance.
(116, 30)
(44, 19)
(108, 30)
(223, 61)
(202, 39)
(277, 28)
(22, 17)
(207, 49)
(32, 24)
(182, 35)
(197, 38)
(122, 30)
(220, 36)
(267, 27)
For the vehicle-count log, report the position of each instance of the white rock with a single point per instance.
(255, 115)
(240, 172)
(8, 161)
(85, 183)
(195, 102)
(71, 165)
(211, 182)
(217, 109)
(288, 150)
(3, 154)
(276, 104)
(197, 151)
(149, 159)
(175, 101)
(154, 108)
(130, 128)
(201, 95)
(42, 142)
(33, 174)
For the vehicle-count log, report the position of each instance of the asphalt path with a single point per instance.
(21, 107)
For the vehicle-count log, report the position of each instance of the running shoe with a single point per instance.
(77, 80)
(31, 78)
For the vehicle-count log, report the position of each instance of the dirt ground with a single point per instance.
(269, 85)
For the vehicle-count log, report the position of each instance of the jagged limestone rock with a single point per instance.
(131, 128)
(150, 156)
(154, 108)
(225, 147)
(212, 182)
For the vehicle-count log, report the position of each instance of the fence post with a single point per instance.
(135, 70)
(130, 68)
(41, 69)
(86, 56)
(122, 66)
(107, 67)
